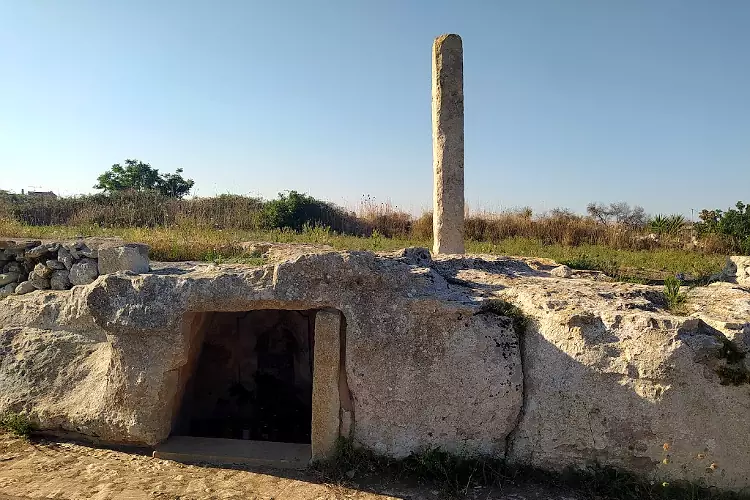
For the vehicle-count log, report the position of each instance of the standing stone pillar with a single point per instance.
(448, 144)
(326, 403)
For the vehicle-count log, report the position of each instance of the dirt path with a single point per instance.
(70, 471)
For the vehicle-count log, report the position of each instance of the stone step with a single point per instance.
(217, 451)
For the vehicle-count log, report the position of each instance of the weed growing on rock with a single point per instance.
(675, 299)
(452, 474)
(505, 308)
(455, 475)
(16, 423)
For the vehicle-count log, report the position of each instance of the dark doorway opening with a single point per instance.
(252, 378)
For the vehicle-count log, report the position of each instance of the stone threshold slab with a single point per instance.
(219, 451)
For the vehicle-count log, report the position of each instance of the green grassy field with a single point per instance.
(199, 243)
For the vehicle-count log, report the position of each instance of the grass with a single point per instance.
(16, 423)
(456, 475)
(190, 242)
(504, 308)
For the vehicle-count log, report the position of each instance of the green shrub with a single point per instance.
(16, 423)
(296, 211)
(666, 224)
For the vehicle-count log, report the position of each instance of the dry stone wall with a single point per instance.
(30, 265)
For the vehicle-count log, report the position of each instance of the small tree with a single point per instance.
(139, 176)
(174, 185)
(619, 213)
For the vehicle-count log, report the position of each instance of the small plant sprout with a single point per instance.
(675, 299)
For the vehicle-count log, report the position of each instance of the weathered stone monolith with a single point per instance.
(448, 144)
(326, 400)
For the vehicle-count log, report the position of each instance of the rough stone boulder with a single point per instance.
(131, 257)
(737, 269)
(8, 278)
(7, 290)
(280, 252)
(60, 280)
(612, 378)
(83, 272)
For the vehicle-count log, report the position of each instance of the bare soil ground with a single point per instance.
(42, 468)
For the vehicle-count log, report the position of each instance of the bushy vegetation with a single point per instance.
(615, 239)
(617, 213)
(295, 211)
(616, 226)
(667, 224)
(150, 208)
(733, 224)
(136, 195)
(193, 242)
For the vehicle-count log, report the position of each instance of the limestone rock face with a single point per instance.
(423, 366)
(610, 377)
(602, 374)
(738, 269)
(726, 308)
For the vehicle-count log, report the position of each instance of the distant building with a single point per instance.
(41, 194)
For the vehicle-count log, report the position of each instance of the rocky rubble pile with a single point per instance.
(30, 265)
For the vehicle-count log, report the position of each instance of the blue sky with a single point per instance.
(566, 102)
